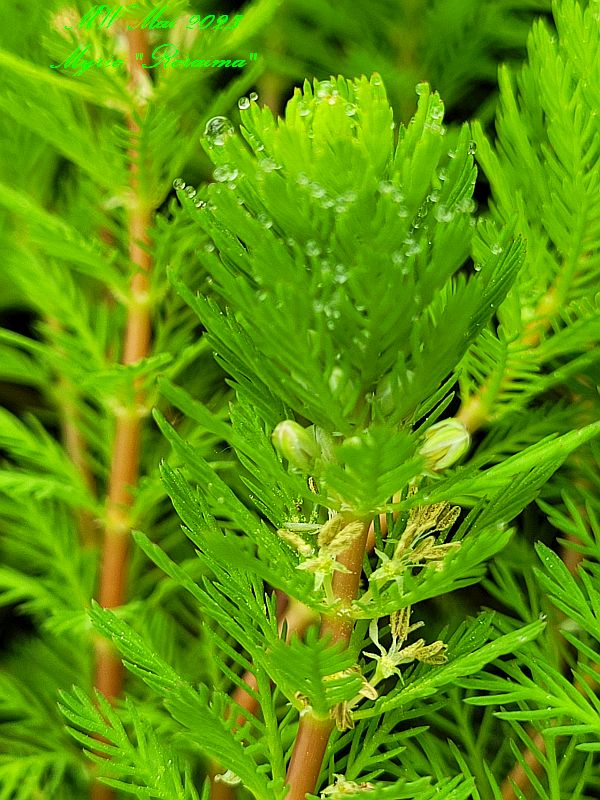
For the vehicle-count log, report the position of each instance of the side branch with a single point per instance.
(475, 410)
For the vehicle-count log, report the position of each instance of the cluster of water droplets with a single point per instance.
(245, 102)
(391, 191)
(189, 191)
(326, 93)
(339, 203)
(329, 309)
(269, 164)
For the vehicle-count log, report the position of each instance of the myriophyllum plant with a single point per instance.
(349, 277)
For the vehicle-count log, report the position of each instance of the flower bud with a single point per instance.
(296, 444)
(444, 443)
(384, 395)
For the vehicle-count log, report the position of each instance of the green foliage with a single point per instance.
(548, 329)
(318, 309)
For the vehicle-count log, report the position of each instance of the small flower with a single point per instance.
(333, 538)
(444, 443)
(342, 716)
(389, 660)
(296, 541)
(229, 778)
(390, 569)
(322, 566)
(342, 787)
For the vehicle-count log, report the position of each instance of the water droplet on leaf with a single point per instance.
(225, 172)
(269, 165)
(243, 103)
(218, 130)
(179, 184)
(444, 214)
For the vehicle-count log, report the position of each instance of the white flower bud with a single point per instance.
(444, 443)
(296, 444)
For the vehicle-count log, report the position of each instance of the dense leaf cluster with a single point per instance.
(335, 276)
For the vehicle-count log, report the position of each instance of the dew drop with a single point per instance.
(341, 276)
(385, 187)
(269, 165)
(421, 88)
(443, 174)
(253, 97)
(350, 109)
(190, 192)
(200, 204)
(496, 248)
(437, 113)
(265, 221)
(477, 267)
(243, 103)
(312, 248)
(325, 89)
(467, 205)
(444, 214)
(218, 130)
(179, 184)
(225, 172)
(209, 248)
(472, 148)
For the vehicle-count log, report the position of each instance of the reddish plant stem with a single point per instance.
(313, 733)
(124, 469)
(126, 448)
